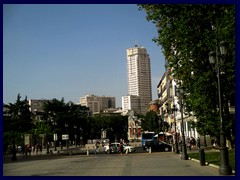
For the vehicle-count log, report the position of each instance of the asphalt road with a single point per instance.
(135, 164)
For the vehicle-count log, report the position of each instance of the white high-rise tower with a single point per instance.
(139, 80)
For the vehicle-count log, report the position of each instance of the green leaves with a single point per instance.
(187, 33)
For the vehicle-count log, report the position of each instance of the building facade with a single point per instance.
(131, 103)
(139, 79)
(36, 108)
(168, 98)
(97, 104)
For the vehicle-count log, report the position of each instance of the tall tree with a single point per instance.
(187, 33)
(150, 122)
(17, 120)
(19, 115)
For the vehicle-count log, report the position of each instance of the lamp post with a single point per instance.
(75, 136)
(47, 143)
(55, 136)
(80, 136)
(174, 109)
(66, 126)
(184, 148)
(14, 157)
(224, 167)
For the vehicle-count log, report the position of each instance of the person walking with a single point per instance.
(198, 143)
(192, 142)
(188, 141)
(96, 148)
(121, 147)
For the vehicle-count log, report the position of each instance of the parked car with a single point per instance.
(114, 148)
(128, 148)
(158, 146)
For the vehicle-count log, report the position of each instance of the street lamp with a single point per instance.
(81, 136)
(184, 149)
(14, 157)
(224, 167)
(66, 126)
(55, 136)
(75, 136)
(174, 109)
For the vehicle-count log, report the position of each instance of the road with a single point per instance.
(135, 164)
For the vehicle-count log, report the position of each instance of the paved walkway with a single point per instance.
(136, 164)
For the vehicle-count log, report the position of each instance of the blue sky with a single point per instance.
(55, 51)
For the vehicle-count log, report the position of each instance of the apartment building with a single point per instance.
(139, 80)
(165, 95)
(168, 98)
(36, 107)
(131, 103)
(97, 104)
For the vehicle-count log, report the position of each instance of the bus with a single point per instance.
(147, 139)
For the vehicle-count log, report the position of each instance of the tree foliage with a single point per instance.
(150, 122)
(187, 33)
(19, 116)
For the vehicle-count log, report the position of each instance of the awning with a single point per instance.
(166, 133)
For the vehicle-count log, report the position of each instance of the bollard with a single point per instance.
(87, 152)
(150, 150)
(202, 157)
(70, 152)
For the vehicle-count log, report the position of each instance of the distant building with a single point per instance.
(97, 104)
(131, 102)
(36, 108)
(153, 106)
(139, 80)
(109, 112)
(36, 105)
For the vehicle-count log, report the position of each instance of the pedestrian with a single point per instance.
(188, 141)
(96, 148)
(29, 149)
(33, 148)
(40, 147)
(212, 143)
(121, 147)
(192, 142)
(198, 143)
(37, 148)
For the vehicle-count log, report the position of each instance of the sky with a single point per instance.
(70, 50)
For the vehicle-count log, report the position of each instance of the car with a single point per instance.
(114, 148)
(158, 146)
(128, 148)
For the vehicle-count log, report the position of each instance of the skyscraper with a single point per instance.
(139, 80)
